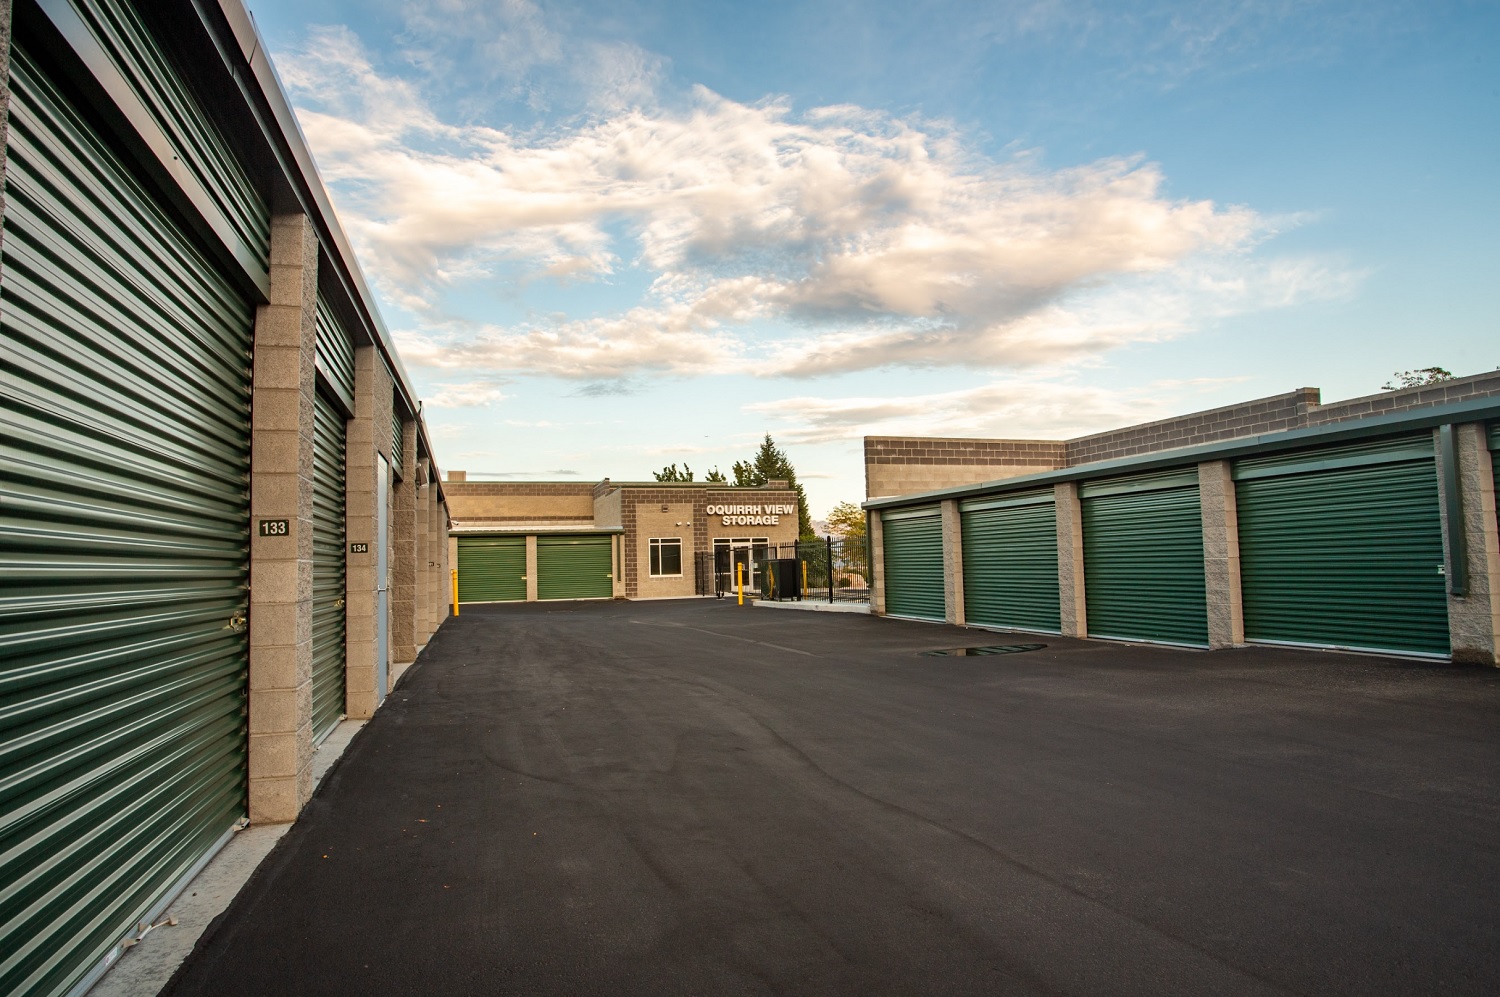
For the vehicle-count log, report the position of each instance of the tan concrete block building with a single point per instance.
(1367, 524)
(655, 540)
(225, 530)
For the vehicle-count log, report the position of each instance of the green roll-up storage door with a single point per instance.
(124, 546)
(574, 568)
(1010, 562)
(1343, 547)
(912, 543)
(328, 617)
(1495, 458)
(1143, 558)
(491, 569)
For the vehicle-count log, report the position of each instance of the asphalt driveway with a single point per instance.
(691, 798)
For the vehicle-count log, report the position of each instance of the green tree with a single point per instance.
(670, 473)
(1417, 378)
(847, 522)
(715, 476)
(771, 464)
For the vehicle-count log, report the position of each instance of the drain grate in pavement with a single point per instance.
(966, 652)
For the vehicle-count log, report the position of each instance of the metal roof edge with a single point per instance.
(1473, 410)
(245, 40)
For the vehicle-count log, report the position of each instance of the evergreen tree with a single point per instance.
(771, 464)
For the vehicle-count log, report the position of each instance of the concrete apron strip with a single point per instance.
(715, 633)
(147, 966)
(816, 607)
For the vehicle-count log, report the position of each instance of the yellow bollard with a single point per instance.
(804, 576)
(455, 591)
(739, 581)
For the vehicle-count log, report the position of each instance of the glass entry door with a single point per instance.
(731, 554)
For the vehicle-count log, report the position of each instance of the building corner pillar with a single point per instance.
(1221, 554)
(1072, 599)
(1474, 616)
(876, 532)
(953, 563)
(281, 565)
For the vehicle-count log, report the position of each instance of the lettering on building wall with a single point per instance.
(751, 515)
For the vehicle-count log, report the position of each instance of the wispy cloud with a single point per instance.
(883, 240)
(468, 394)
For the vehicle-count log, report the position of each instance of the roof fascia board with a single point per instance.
(1473, 410)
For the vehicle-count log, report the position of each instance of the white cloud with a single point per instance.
(469, 394)
(887, 240)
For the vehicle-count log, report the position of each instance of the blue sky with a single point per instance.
(615, 236)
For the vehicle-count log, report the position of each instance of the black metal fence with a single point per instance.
(825, 570)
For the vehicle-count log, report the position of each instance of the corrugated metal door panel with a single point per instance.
(574, 568)
(1010, 565)
(913, 547)
(1411, 446)
(491, 569)
(328, 618)
(1143, 565)
(197, 142)
(1495, 456)
(1349, 557)
(124, 542)
(335, 354)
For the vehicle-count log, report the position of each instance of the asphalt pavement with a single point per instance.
(695, 798)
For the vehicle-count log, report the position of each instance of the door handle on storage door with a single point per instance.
(338, 603)
(236, 622)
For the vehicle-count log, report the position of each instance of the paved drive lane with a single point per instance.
(690, 798)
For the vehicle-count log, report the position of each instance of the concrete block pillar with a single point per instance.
(422, 563)
(404, 552)
(446, 560)
(617, 546)
(435, 547)
(369, 437)
(281, 458)
(1221, 554)
(953, 564)
(531, 569)
(877, 563)
(1474, 617)
(1073, 601)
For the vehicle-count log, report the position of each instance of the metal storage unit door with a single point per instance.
(1143, 558)
(124, 546)
(913, 551)
(1010, 561)
(328, 617)
(1495, 460)
(491, 569)
(1344, 547)
(574, 568)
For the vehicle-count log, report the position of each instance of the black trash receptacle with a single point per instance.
(781, 578)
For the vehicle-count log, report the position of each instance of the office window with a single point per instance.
(666, 556)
